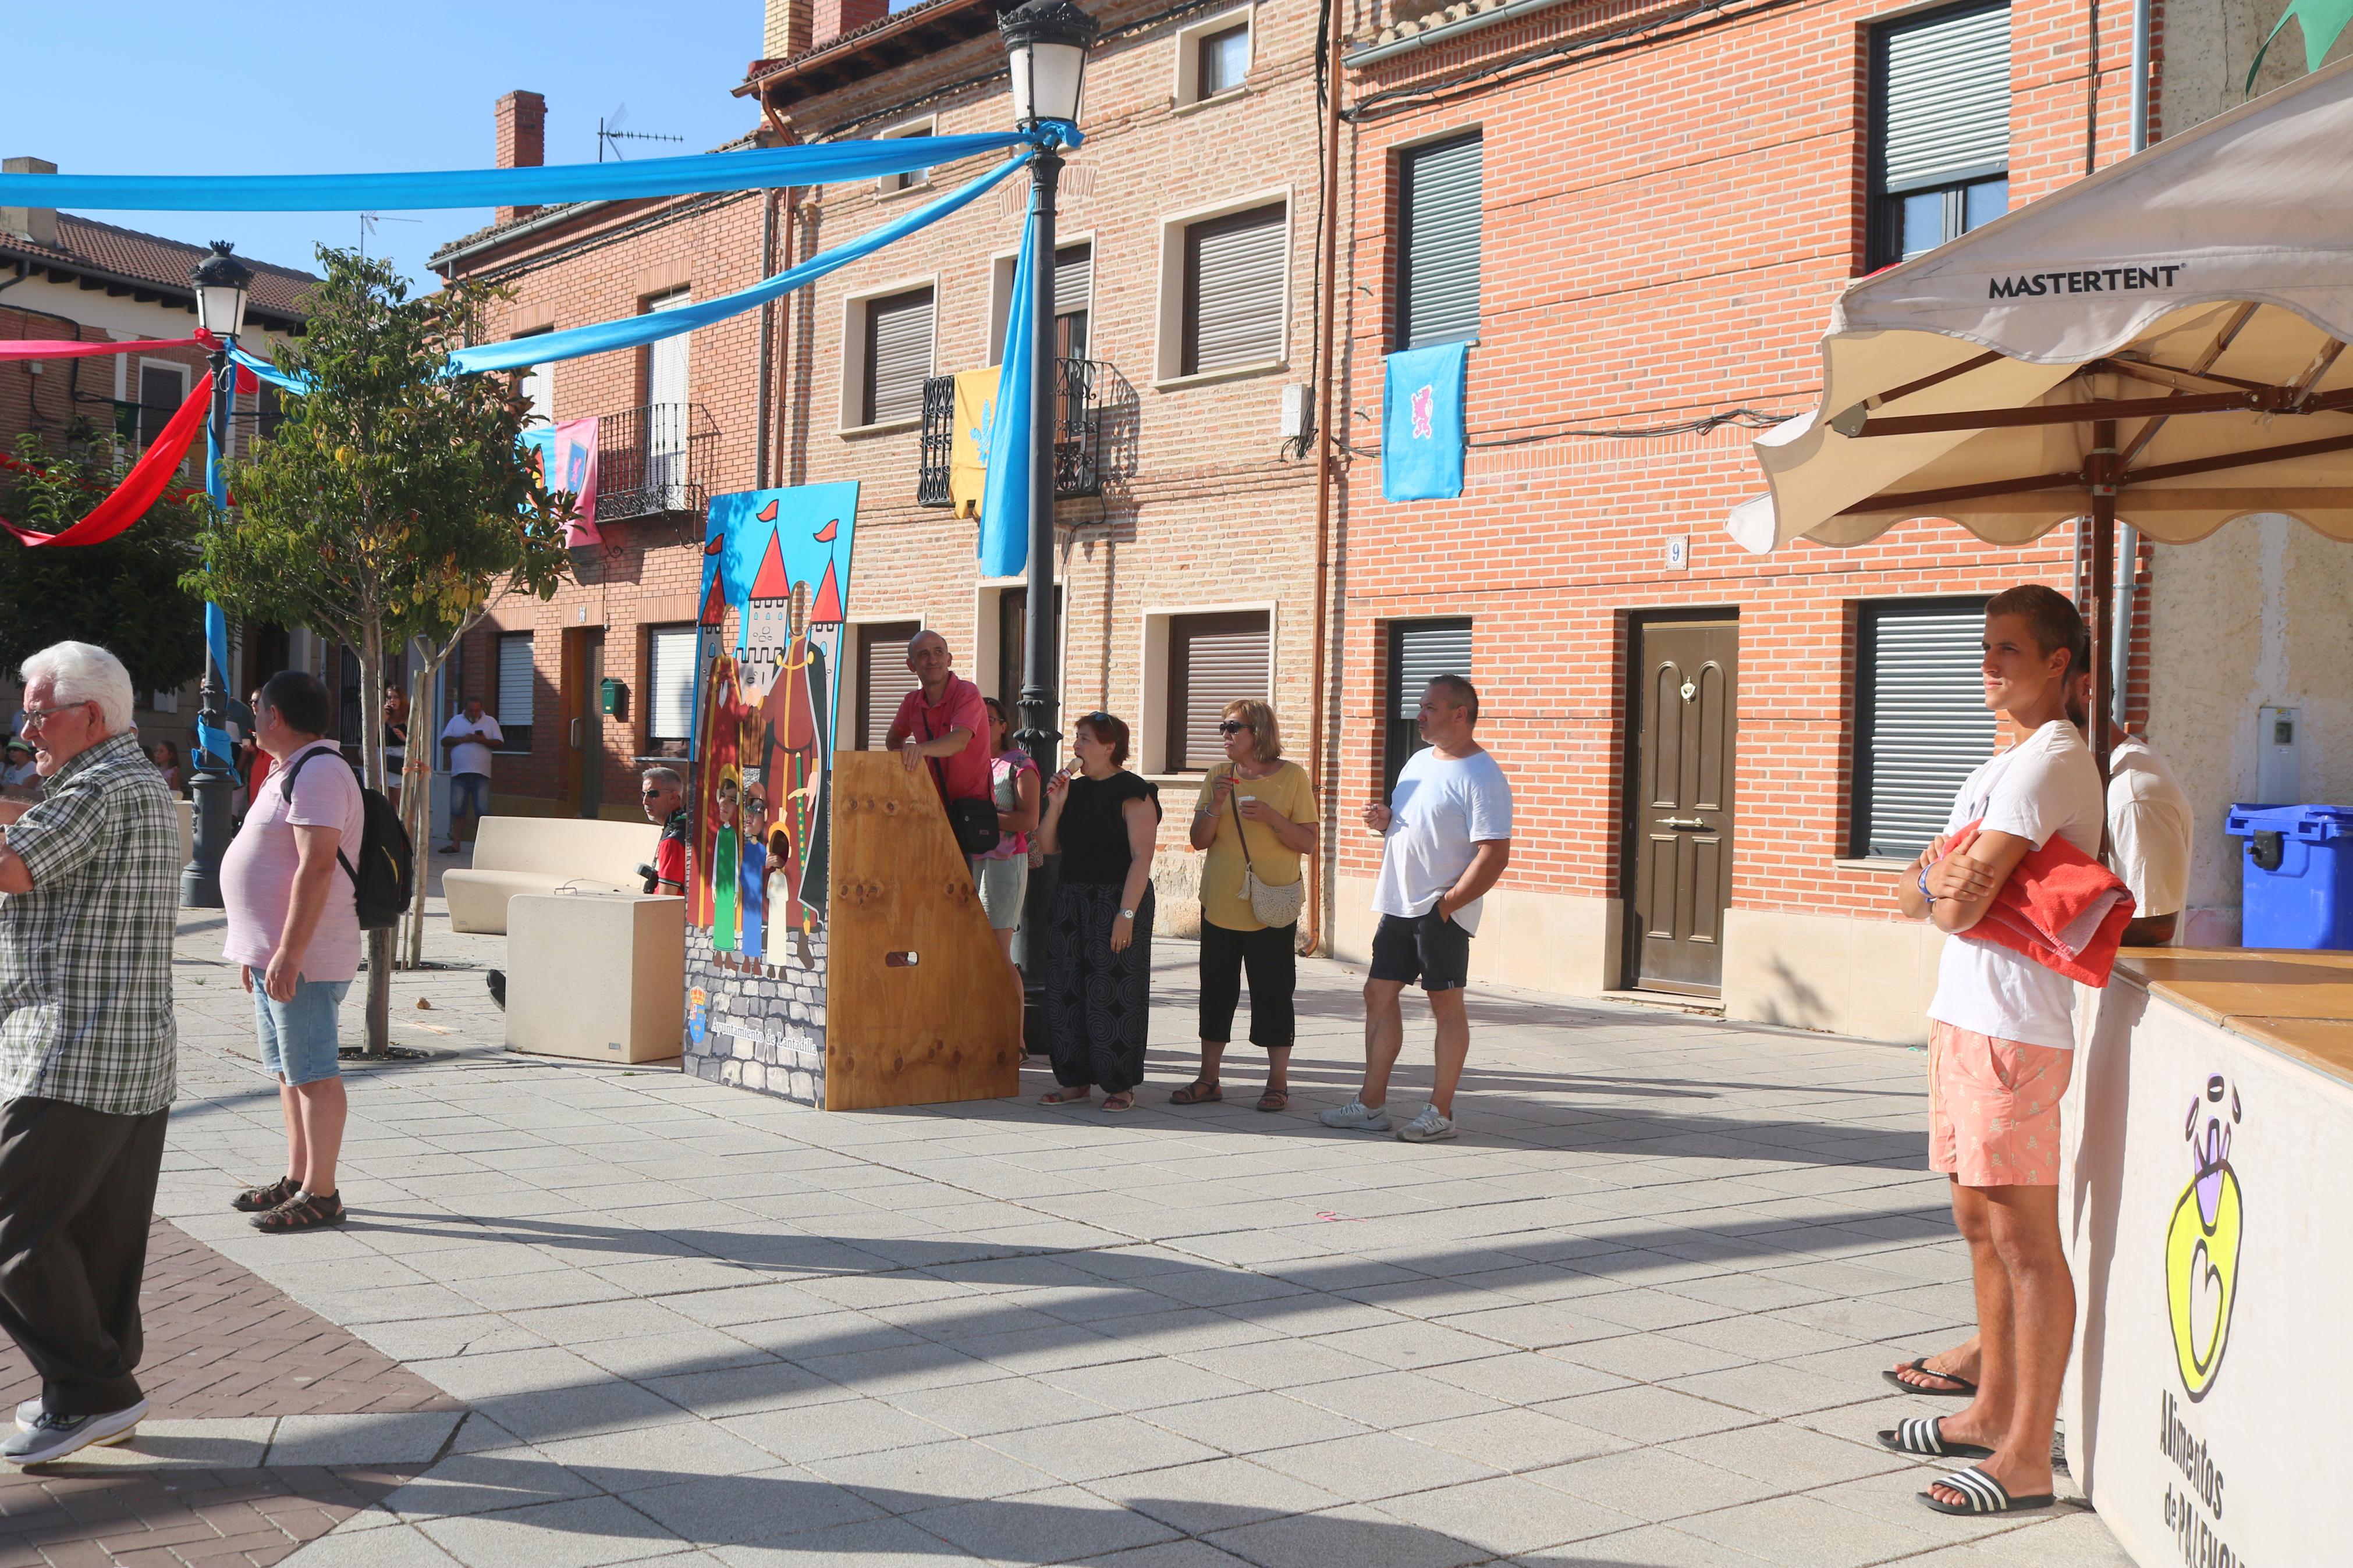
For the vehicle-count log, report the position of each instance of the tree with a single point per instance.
(391, 504)
(124, 594)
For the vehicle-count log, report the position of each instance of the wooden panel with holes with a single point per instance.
(921, 1006)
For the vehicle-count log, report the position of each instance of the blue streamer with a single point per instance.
(1005, 498)
(271, 373)
(820, 163)
(210, 737)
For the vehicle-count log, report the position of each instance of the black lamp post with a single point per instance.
(221, 281)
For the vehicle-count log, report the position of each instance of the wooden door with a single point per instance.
(1681, 718)
(584, 720)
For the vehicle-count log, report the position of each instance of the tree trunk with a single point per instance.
(417, 812)
(370, 727)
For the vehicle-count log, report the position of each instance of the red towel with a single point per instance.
(2062, 909)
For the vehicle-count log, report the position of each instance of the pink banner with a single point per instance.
(567, 456)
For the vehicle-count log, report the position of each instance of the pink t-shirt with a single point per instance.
(257, 872)
(959, 706)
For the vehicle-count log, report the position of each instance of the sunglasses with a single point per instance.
(1231, 727)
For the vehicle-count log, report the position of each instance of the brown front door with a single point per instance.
(584, 720)
(1678, 802)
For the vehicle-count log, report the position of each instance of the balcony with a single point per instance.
(654, 460)
(1082, 387)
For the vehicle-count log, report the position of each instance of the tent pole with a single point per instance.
(2101, 471)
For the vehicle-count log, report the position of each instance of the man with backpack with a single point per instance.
(291, 891)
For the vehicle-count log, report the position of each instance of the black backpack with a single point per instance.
(386, 875)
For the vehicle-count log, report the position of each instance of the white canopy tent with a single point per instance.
(2159, 341)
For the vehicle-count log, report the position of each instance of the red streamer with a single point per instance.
(171, 493)
(67, 348)
(141, 487)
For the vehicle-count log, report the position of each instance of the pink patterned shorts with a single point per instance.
(1993, 1109)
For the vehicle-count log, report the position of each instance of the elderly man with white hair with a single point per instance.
(89, 896)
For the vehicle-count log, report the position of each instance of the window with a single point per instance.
(1418, 652)
(1001, 645)
(912, 178)
(1213, 55)
(669, 678)
(162, 389)
(1074, 287)
(1234, 290)
(163, 701)
(515, 689)
(1921, 724)
(665, 399)
(1212, 661)
(537, 385)
(883, 679)
(1438, 255)
(1940, 151)
(895, 359)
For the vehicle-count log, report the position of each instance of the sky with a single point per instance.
(334, 87)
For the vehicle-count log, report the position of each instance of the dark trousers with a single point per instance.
(76, 1192)
(1271, 958)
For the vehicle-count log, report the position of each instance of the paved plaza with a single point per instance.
(586, 1314)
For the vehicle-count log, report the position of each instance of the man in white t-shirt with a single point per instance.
(2001, 1039)
(291, 894)
(467, 740)
(1447, 836)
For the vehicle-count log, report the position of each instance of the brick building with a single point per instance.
(1185, 572)
(1721, 760)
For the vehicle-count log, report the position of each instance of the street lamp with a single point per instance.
(221, 281)
(1047, 42)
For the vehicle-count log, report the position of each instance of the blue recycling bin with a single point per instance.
(2297, 875)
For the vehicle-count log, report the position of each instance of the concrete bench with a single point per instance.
(539, 855)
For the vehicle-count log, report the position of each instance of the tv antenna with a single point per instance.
(609, 133)
(367, 227)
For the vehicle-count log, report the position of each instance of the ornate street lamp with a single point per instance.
(221, 281)
(1047, 42)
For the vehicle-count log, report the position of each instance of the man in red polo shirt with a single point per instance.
(943, 720)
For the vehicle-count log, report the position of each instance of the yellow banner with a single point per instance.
(975, 408)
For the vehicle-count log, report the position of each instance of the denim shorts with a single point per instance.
(470, 795)
(298, 1037)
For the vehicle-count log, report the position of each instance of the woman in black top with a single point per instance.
(1104, 824)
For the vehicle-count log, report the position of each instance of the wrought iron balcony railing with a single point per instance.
(1080, 383)
(655, 460)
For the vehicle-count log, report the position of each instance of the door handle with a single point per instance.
(575, 734)
(1680, 821)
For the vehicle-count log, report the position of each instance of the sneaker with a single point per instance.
(1357, 1117)
(51, 1437)
(496, 980)
(28, 1412)
(1427, 1128)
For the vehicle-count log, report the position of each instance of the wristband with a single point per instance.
(1924, 888)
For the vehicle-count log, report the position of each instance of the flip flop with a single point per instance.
(1274, 1099)
(1193, 1094)
(1986, 1495)
(1123, 1100)
(1067, 1097)
(1968, 1390)
(1925, 1435)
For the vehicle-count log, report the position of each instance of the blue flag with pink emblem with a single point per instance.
(1421, 423)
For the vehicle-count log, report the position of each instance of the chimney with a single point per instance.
(788, 32)
(38, 224)
(522, 140)
(830, 19)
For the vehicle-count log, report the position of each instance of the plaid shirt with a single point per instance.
(86, 956)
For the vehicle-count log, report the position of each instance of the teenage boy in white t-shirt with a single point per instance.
(2002, 1037)
(1449, 836)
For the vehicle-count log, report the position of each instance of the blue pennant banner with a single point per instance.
(1005, 496)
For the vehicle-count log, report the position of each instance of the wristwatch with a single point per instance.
(1127, 914)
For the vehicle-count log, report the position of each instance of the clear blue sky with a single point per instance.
(331, 86)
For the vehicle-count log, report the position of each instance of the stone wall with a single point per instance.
(763, 1025)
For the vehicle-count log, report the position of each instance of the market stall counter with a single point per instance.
(2208, 1197)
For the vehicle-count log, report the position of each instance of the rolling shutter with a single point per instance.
(884, 679)
(1439, 284)
(1945, 110)
(1233, 289)
(1422, 651)
(1923, 727)
(515, 686)
(1074, 279)
(1212, 661)
(898, 356)
(670, 672)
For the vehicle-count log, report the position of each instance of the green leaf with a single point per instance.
(2320, 21)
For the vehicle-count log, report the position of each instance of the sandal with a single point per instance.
(1274, 1099)
(1123, 1100)
(1067, 1097)
(1925, 1435)
(259, 1199)
(1193, 1094)
(1986, 1495)
(1966, 1391)
(303, 1211)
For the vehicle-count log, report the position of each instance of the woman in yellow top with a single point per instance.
(1257, 812)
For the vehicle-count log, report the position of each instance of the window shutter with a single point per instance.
(1946, 109)
(1074, 279)
(1439, 286)
(162, 390)
(897, 355)
(665, 358)
(1212, 661)
(884, 679)
(1924, 725)
(1233, 289)
(1424, 651)
(515, 680)
(671, 665)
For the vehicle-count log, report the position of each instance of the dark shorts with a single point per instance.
(1427, 948)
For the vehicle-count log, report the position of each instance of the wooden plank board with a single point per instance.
(921, 1006)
